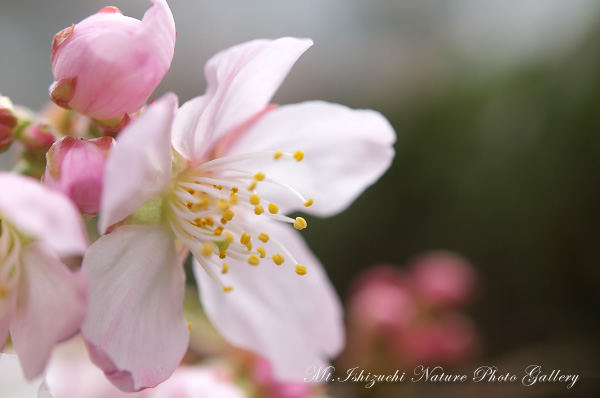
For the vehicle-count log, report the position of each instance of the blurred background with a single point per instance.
(497, 109)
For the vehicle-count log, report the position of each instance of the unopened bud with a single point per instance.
(8, 123)
(108, 65)
(75, 167)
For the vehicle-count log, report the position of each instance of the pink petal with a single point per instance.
(51, 306)
(241, 81)
(41, 213)
(346, 150)
(135, 329)
(139, 167)
(294, 321)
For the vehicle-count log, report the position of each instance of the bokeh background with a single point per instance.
(497, 108)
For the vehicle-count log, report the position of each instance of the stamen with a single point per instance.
(228, 215)
(300, 269)
(207, 249)
(262, 251)
(254, 199)
(309, 202)
(300, 223)
(277, 155)
(273, 208)
(245, 238)
(278, 259)
(227, 289)
(299, 155)
(225, 268)
(259, 176)
(263, 237)
(253, 260)
(258, 210)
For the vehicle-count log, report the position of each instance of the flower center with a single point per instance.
(10, 247)
(213, 210)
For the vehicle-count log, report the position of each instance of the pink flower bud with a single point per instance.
(108, 65)
(443, 279)
(38, 137)
(8, 123)
(75, 167)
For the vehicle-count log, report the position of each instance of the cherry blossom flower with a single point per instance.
(238, 165)
(41, 301)
(108, 65)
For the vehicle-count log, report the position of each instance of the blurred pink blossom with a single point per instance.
(75, 167)
(108, 65)
(443, 279)
(405, 317)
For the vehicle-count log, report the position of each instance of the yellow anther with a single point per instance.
(227, 289)
(190, 326)
(222, 204)
(278, 259)
(300, 269)
(225, 268)
(189, 190)
(277, 155)
(217, 231)
(229, 236)
(262, 251)
(273, 208)
(252, 186)
(300, 223)
(3, 292)
(219, 187)
(196, 207)
(222, 254)
(249, 247)
(209, 221)
(253, 260)
(207, 250)
(228, 215)
(233, 199)
(309, 202)
(245, 238)
(198, 222)
(258, 210)
(189, 205)
(223, 221)
(299, 155)
(259, 176)
(254, 199)
(263, 237)
(234, 190)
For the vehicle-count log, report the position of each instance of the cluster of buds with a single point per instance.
(404, 318)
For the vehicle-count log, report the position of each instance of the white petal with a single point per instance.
(294, 321)
(346, 150)
(38, 211)
(240, 83)
(50, 308)
(139, 167)
(135, 329)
